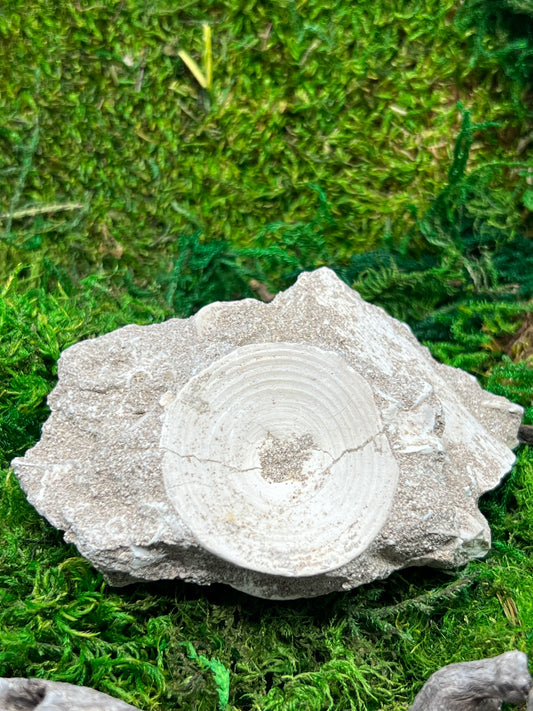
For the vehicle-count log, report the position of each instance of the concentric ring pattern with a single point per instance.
(275, 458)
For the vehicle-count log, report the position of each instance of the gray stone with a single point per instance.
(287, 449)
(39, 695)
(478, 686)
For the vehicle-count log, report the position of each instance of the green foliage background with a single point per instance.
(390, 141)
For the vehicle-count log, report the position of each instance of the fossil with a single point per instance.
(288, 448)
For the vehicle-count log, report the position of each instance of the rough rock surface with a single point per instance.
(478, 686)
(288, 449)
(39, 695)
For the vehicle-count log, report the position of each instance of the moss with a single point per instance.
(98, 109)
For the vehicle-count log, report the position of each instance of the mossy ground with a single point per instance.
(330, 134)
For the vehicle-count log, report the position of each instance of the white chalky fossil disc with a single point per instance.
(275, 457)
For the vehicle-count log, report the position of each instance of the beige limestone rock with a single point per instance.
(18, 694)
(482, 685)
(288, 449)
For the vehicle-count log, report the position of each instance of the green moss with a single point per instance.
(503, 34)
(97, 109)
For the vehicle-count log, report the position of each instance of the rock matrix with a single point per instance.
(482, 685)
(288, 448)
(40, 695)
